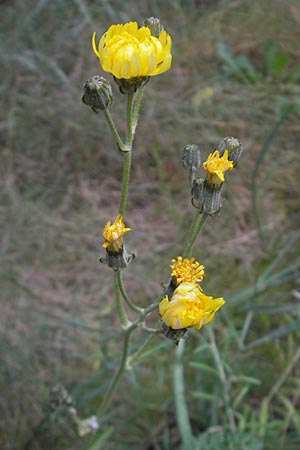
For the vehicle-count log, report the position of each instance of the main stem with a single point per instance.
(127, 156)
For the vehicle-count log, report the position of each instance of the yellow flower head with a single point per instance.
(127, 51)
(215, 166)
(113, 234)
(189, 307)
(186, 270)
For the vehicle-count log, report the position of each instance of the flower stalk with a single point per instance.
(196, 227)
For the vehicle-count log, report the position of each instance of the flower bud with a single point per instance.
(191, 158)
(234, 148)
(154, 26)
(97, 93)
(205, 198)
(198, 193)
(212, 200)
(130, 85)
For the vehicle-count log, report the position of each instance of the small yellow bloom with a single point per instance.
(189, 307)
(186, 270)
(113, 234)
(127, 51)
(215, 166)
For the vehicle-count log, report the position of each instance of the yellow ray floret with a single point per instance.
(189, 307)
(127, 51)
(113, 234)
(186, 270)
(215, 166)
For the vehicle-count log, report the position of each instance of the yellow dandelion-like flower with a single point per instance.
(127, 51)
(113, 234)
(186, 270)
(189, 307)
(215, 166)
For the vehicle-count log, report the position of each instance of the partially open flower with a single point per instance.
(189, 307)
(215, 166)
(127, 51)
(113, 234)
(186, 271)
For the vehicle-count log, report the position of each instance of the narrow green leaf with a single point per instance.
(204, 367)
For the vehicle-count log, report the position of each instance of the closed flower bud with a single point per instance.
(191, 158)
(234, 148)
(205, 198)
(198, 193)
(154, 26)
(97, 93)
(212, 200)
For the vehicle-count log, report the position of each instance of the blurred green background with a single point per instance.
(236, 72)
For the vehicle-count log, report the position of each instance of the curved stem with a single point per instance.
(114, 130)
(198, 222)
(125, 296)
(122, 314)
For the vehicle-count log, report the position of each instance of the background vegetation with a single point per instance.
(235, 72)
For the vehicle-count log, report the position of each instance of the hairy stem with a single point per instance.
(121, 312)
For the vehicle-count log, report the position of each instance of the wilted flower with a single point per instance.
(127, 51)
(189, 307)
(113, 234)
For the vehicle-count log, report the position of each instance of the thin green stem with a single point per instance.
(121, 312)
(125, 182)
(127, 157)
(118, 374)
(198, 222)
(181, 408)
(114, 130)
(125, 296)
